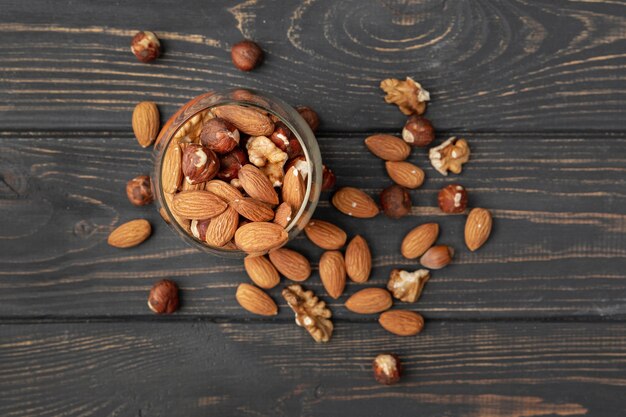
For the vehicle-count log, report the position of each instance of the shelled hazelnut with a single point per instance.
(146, 46)
(418, 131)
(139, 190)
(246, 55)
(200, 164)
(163, 298)
(452, 199)
(387, 368)
(395, 201)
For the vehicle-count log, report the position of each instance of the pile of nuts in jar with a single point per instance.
(233, 178)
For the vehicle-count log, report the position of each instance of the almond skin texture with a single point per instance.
(402, 322)
(255, 300)
(388, 147)
(146, 122)
(130, 234)
(171, 172)
(198, 205)
(437, 257)
(419, 240)
(333, 273)
(261, 271)
(358, 260)
(222, 228)
(369, 301)
(283, 214)
(246, 119)
(252, 209)
(223, 190)
(477, 228)
(260, 237)
(405, 174)
(294, 189)
(291, 264)
(325, 235)
(257, 185)
(355, 203)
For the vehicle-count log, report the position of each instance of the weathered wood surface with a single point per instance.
(243, 369)
(558, 249)
(507, 65)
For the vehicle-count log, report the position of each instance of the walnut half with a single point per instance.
(408, 95)
(450, 156)
(311, 312)
(264, 154)
(407, 286)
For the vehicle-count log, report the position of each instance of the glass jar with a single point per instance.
(266, 103)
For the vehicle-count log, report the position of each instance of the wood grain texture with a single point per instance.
(506, 65)
(244, 369)
(558, 248)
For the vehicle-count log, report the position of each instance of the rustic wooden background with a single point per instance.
(531, 325)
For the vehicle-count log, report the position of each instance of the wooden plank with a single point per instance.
(243, 369)
(558, 249)
(508, 65)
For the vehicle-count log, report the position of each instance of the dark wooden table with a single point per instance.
(531, 325)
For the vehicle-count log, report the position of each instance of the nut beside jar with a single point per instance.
(229, 152)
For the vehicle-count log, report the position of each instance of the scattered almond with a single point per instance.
(293, 189)
(388, 147)
(261, 271)
(198, 205)
(252, 209)
(255, 300)
(257, 185)
(222, 227)
(291, 264)
(358, 260)
(223, 190)
(369, 301)
(419, 240)
(283, 215)
(477, 228)
(333, 273)
(260, 237)
(325, 235)
(246, 119)
(130, 234)
(405, 174)
(354, 202)
(402, 322)
(146, 122)
(437, 257)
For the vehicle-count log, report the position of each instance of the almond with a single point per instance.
(405, 174)
(257, 185)
(223, 190)
(283, 214)
(291, 264)
(259, 237)
(333, 273)
(222, 228)
(418, 240)
(402, 322)
(246, 119)
(184, 223)
(354, 202)
(146, 122)
(477, 228)
(198, 205)
(325, 235)
(369, 301)
(252, 209)
(437, 257)
(261, 271)
(358, 259)
(255, 300)
(294, 189)
(171, 173)
(388, 147)
(130, 234)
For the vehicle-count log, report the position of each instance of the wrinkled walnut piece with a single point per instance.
(450, 156)
(311, 312)
(263, 153)
(408, 95)
(407, 286)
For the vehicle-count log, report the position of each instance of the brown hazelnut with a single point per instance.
(395, 201)
(310, 117)
(418, 131)
(437, 257)
(246, 55)
(301, 165)
(198, 228)
(452, 199)
(199, 163)
(387, 368)
(328, 178)
(231, 163)
(139, 190)
(219, 135)
(163, 298)
(146, 46)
